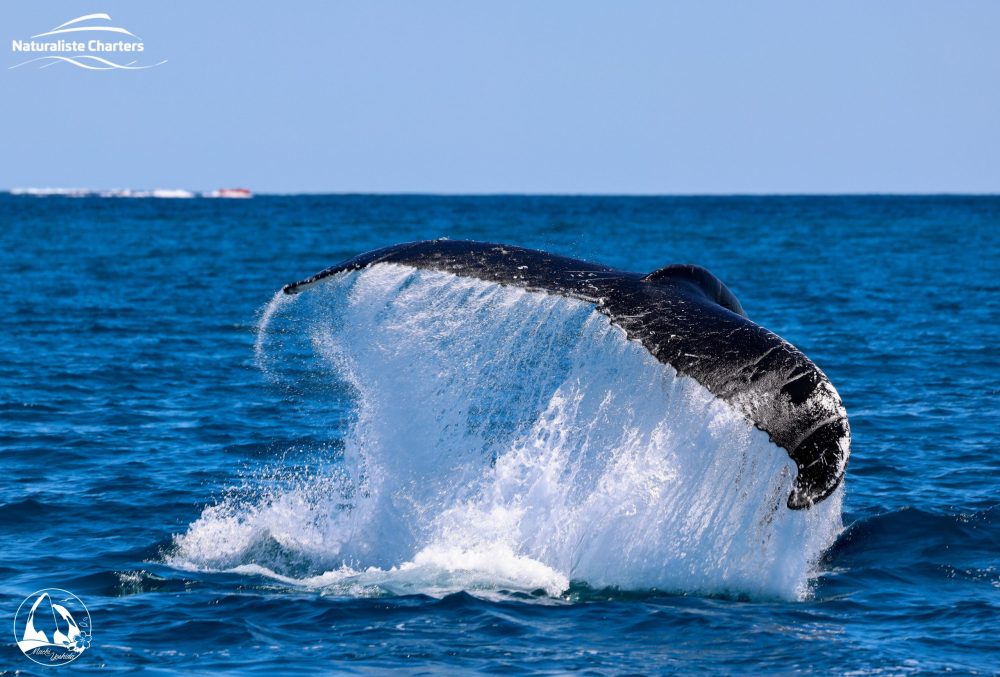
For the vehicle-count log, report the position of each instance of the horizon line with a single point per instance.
(601, 194)
(405, 193)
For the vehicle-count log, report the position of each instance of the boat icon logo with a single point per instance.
(52, 627)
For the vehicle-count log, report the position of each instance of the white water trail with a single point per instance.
(510, 440)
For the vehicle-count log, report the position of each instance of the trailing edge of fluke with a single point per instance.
(686, 318)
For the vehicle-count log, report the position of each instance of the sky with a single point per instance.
(539, 96)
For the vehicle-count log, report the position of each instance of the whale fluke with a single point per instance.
(687, 319)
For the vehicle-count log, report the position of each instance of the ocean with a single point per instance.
(400, 472)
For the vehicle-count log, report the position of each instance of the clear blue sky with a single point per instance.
(537, 96)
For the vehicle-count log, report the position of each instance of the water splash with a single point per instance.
(277, 303)
(508, 439)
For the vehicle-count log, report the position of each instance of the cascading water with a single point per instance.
(503, 439)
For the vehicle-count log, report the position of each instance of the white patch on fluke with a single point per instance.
(511, 440)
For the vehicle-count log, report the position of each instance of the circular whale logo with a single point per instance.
(52, 627)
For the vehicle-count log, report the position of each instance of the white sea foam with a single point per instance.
(514, 440)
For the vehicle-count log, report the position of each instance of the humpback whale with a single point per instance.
(687, 319)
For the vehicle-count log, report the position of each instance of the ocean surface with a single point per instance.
(414, 472)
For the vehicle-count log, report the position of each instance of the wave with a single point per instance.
(914, 537)
(78, 62)
(502, 439)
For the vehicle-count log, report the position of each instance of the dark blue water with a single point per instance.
(131, 401)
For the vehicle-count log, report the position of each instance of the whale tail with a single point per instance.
(687, 319)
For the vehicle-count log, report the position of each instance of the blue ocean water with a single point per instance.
(177, 460)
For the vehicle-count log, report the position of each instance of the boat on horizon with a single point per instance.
(238, 193)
